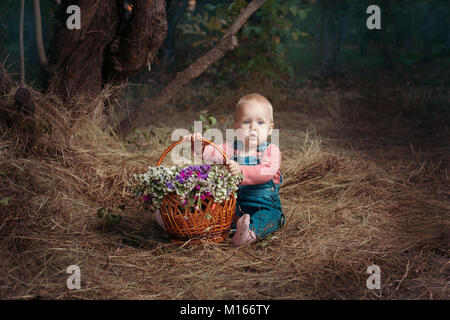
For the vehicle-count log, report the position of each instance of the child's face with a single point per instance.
(255, 123)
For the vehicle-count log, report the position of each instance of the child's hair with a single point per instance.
(254, 97)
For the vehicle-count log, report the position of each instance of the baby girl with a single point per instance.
(258, 206)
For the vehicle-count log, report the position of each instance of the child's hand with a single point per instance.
(233, 167)
(193, 137)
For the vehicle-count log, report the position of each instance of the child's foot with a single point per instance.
(159, 219)
(243, 233)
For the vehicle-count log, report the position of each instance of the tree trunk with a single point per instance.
(107, 49)
(21, 46)
(38, 34)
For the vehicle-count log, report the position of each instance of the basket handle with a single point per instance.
(225, 157)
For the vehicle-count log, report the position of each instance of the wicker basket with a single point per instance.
(185, 224)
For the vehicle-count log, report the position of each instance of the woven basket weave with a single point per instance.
(184, 224)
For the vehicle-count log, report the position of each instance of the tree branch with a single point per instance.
(226, 44)
(22, 58)
(38, 32)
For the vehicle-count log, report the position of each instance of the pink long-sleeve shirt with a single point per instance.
(267, 169)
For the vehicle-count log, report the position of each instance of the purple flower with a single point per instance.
(146, 199)
(203, 176)
(170, 184)
(197, 187)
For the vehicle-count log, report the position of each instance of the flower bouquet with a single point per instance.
(196, 202)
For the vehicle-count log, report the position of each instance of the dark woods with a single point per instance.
(150, 41)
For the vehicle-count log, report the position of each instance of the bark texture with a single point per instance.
(107, 49)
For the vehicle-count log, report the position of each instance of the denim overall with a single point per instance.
(260, 201)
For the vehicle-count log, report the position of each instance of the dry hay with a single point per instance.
(343, 213)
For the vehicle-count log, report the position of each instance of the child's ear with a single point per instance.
(270, 129)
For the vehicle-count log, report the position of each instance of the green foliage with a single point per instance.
(5, 201)
(208, 121)
(138, 133)
(281, 38)
(108, 216)
(261, 50)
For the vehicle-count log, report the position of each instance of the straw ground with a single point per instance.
(352, 198)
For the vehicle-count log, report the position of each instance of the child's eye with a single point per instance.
(246, 122)
(260, 122)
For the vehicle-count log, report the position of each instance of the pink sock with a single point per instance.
(243, 233)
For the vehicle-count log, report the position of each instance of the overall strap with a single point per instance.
(238, 145)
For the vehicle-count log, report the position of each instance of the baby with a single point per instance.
(258, 206)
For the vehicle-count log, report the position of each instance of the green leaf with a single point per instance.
(279, 49)
(304, 34)
(113, 218)
(133, 239)
(290, 71)
(210, 7)
(267, 240)
(208, 216)
(284, 9)
(302, 14)
(207, 228)
(101, 212)
(251, 63)
(212, 120)
(5, 201)
(293, 10)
